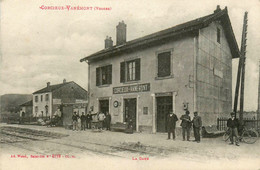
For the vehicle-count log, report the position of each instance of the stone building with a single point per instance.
(67, 96)
(26, 109)
(188, 66)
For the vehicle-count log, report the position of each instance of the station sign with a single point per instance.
(132, 88)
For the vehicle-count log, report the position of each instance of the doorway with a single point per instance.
(104, 106)
(130, 111)
(164, 106)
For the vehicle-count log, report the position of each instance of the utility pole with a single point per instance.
(243, 55)
(241, 68)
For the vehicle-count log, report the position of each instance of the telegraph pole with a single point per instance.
(243, 55)
(241, 68)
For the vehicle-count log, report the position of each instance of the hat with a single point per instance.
(232, 114)
(171, 112)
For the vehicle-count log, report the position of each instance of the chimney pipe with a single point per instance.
(48, 84)
(121, 33)
(64, 80)
(108, 42)
(217, 9)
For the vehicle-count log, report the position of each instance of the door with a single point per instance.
(67, 112)
(164, 106)
(130, 111)
(104, 106)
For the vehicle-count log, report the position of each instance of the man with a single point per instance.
(89, 118)
(197, 123)
(171, 124)
(83, 121)
(74, 121)
(233, 124)
(108, 120)
(186, 125)
(101, 118)
(78, 122)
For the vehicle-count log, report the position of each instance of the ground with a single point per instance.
(57, 147)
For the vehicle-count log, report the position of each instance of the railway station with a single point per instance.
(185, 67)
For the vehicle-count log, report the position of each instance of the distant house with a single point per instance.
(26, 109)
(67, 96)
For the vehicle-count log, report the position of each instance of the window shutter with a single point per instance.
(110, 74)
(138, 68)
(164, 64)
(122, 72)
(97, 76)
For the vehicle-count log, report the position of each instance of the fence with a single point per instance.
(24, 120)
(250, 123)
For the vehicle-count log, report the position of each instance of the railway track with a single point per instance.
(21, 134)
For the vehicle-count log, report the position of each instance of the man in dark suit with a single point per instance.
(171, 124)
(88, 120)
(197, 123)
(108, 121)
(186, 125)
(233, 124)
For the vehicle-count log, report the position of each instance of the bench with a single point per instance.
(211, 132)
(119, 127)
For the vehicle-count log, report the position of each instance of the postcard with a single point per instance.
(127, 84)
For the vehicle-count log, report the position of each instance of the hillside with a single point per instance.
(11, 102)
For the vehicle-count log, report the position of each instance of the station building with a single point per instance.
(188, 66)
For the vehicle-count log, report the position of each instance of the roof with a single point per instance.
(164, 35)
(51, 88)
(29, 103)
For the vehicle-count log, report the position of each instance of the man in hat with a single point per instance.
(186, 125)
(233, 124)
(171, 124)
(197, 123)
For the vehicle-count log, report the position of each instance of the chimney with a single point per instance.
(48, 84)
(108, 42)
(218, 9)
(121, 33)
(64, 80)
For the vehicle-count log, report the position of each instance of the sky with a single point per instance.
(39, 46)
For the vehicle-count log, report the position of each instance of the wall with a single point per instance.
(182, 69)
(72, 95)
(41, 105)
(258, 113)
(27, 110)
(214, 75)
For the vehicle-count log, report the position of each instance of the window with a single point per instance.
(218, 35)
(36, 99)
(104, 75)
(36, 109)
(41, 98)
(130, 70)
(47, 97)
(145, 110)
(164, 64)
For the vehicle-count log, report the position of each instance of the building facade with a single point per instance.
(258, 107)
(67, 96)
(26, 109)
(186, 67)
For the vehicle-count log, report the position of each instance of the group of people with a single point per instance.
(186, 124)
(104, 120)
(83, 122)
